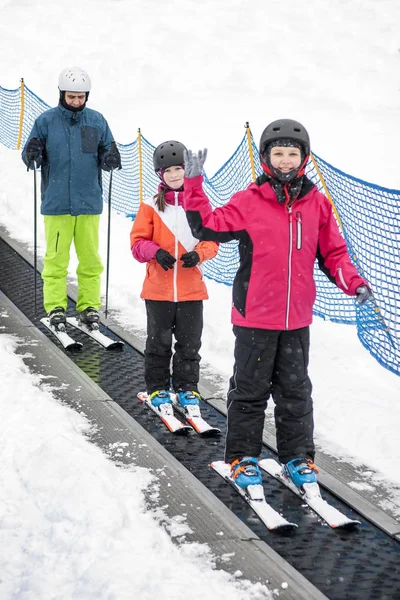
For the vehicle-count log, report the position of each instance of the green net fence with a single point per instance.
(369, 217)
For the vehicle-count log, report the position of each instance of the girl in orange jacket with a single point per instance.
(173, 288)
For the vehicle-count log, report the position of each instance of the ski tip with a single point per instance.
(350, 524)
(285, 527)
(117, 345)
(212, 432)
(75, 347)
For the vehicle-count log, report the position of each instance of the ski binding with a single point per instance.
(255, 497)
(193, 416)
(310, 493)
(166, 413)
(65, 340)
(96, 334)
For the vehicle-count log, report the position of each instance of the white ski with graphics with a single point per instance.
(65, 340)
(193, 416)
(165, 412)
(310, 493)
(96, 334)
(254, 496)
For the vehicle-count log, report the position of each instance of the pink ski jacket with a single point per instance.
(274, 286)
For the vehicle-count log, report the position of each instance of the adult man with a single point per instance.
(71, 144)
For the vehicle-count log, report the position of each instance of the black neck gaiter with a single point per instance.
(72, 108)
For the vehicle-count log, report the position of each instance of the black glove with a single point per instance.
(190, 259)
(363, 294)
(112, 160)
(34, 151)
(165, 259)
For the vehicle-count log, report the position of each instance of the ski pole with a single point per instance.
(34, 236)
(114, 149)
(108, 242)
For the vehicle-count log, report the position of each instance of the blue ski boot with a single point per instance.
(188, 398)
(245, 472)
(301, 471)
(160, 397)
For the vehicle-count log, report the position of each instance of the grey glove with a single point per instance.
(194, 162)
(363, 294)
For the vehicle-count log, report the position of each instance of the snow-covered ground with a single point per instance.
(195, 72)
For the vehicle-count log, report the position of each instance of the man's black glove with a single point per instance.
(190, 259)
(363, 294)
(112, 160)
(34, 152)
(165, 259)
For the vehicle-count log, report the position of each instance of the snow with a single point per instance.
(193, 71)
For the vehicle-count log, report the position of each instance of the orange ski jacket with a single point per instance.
(169, 230)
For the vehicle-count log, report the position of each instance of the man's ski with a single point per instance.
(254, 496)
(166, 413)
(310, 493)
(193, 416)
(96, 334)
(65, 340)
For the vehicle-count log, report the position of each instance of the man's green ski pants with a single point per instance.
(60, 230)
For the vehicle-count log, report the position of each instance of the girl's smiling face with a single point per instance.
(173, 177)
(285, 158)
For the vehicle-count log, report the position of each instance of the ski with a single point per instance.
(193, 416)
(310, 493)
(65, 340)
(254, 496)
(166, 413)
(96, 334)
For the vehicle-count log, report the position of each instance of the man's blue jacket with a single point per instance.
(73, 146)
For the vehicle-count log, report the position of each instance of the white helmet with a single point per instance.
(74, 79)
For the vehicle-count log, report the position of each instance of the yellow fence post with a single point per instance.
(21, 114)
(251, 154)
(327, 194)
(140, 165)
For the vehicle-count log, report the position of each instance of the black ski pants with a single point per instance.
(269, 362)
(184, 321)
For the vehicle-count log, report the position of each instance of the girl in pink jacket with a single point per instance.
(283, 223)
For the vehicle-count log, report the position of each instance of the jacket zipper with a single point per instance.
(57, 238)
(299, 231)
(342, 280)
(176, 250)
(289, 208)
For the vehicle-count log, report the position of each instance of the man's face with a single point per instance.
(75, 99)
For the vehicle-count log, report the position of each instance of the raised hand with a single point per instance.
(194, 162)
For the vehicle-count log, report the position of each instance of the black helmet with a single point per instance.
(168, 154)
(285, 129)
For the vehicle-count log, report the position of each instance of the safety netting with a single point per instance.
(368, 216)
